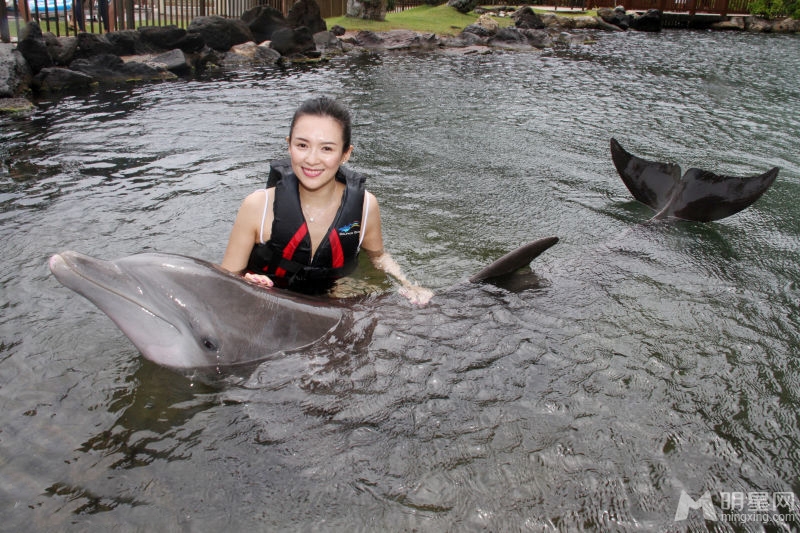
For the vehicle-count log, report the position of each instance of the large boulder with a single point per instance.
(174, 61)
(90, 45)
(468, 39)
(786, 25)
(262, 21)
(394, 40)
(650, 21)
(61, 49)
(463, 6)
(757, 25)
(220, 33)
(294, 42)
(57, 79)
(108, 68)
(33, 47)
(250, 54)
(306, 13)
(124, 42)
(327, 43)
(526, 18)
(732, 23)
(15, 74)
(161, 38)
(616, 17)
(480, 30)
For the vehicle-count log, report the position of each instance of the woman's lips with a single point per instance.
(311, 172)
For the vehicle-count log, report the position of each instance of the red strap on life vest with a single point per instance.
(291, 247)
(337, 253)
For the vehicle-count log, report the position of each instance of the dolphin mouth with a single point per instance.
(66, 264)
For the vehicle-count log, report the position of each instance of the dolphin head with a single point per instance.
(182, 312)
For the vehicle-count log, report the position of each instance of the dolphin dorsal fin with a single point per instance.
(515, 260)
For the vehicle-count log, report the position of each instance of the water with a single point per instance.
(651, 359)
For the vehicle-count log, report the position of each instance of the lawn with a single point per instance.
(441, 20)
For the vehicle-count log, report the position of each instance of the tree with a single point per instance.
(367, 9)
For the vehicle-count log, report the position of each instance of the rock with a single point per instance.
(263, 21)
(616, 17)
(292, 42)
(537, 38)
(61, 49)
(394, 40)
(124, 42)
(757, 25)
(480, 31)
(650, 21)
(15, 74)
(108, 68)
(733, 23)
(160, 38)
(57, 79)
(338, 30)
(33, 47)
(466, 39)
(327, 43)
(220, 33)
(90, 45)
(463, 6)
(506, 36)
(787, 25)
(13, 106)
(250, 54)
(486, 22)
(552, 20)
(525, 18)
(306, 13)
(594, 23)
(174, 61)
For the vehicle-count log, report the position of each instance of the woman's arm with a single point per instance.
(372, 244)
(244, 234)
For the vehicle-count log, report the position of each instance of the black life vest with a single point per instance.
(286, 257)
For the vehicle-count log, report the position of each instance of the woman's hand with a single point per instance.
(416, 294)
(258, 279)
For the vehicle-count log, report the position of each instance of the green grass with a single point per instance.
(441, 20)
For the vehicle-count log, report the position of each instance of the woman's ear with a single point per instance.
(346, 155)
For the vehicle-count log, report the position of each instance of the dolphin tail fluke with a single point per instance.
(705, 196)
(515, 260)
(650, 182)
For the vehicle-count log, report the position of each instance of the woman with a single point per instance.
(304, 231)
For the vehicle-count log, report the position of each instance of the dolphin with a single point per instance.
(185, 313)
(698, 195)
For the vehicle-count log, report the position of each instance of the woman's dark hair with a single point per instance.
(325, 107)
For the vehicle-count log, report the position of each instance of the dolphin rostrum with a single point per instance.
(697, 195)
(185, 313)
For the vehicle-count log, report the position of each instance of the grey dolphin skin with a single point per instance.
(698, 195)
(185, 313)
(182, 312)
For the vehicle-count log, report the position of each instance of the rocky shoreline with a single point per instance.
(42, 63)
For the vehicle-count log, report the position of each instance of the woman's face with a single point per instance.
(316, 147)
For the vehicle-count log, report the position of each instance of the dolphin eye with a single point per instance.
(210, 344)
